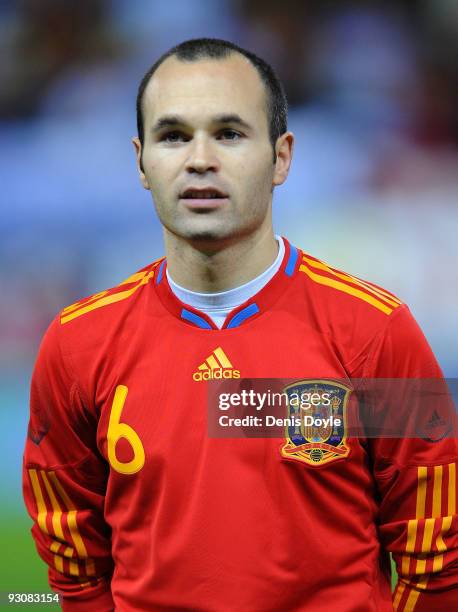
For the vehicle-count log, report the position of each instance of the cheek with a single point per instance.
(251, 162)
(154, 164)
(162, 161)
(258, 176)
(160, 174)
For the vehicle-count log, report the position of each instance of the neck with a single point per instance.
(196, 267)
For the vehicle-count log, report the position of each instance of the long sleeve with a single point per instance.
(417, 478)
(64, 481)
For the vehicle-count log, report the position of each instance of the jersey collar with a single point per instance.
(246, 312)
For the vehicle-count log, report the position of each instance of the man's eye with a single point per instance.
(229, 135)
(173, 137)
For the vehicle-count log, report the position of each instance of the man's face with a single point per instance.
(207, 157)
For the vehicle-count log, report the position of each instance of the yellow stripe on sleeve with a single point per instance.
(440, 544)
(411, 535)
(430, 524)
(55, 546)
(133, 278)
(73, 567)
(447, 520)
(425, 545)
(421, 492)
(58, 561)
(445, 526)
(405, 565)
(437, 491)
(414, 595)
(42, 511)
(104, 301)
(412, 527)
(451, 489)
(68, 550)
(57, 525)
(335, 284)
(399, 593)
(410, 546)
(84, 302)
(72, 523)
(385, 296)
(422, 480)
(57, 511)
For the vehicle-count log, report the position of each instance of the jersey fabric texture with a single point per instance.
(135, 507)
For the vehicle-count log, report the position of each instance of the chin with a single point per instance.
(207, 234)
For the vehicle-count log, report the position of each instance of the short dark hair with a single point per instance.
(201, 48)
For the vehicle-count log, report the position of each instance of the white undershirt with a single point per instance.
(218, 305)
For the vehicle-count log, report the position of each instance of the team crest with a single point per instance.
(317, 411)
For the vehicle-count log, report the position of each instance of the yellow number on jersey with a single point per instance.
(117, 430)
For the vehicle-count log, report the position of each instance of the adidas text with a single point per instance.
(217, 373)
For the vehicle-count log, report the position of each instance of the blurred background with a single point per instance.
(373, 92)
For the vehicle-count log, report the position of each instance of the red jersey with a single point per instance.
(136, 507)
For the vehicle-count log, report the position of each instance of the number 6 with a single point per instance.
(117, 430)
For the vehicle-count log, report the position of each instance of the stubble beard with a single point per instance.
(207, 233)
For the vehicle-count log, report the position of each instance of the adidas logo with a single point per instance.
(216, 366)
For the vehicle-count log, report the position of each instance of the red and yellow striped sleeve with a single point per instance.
(416, 477)
(68, 539)
(57, 517)
(64, 481)
(427, 553)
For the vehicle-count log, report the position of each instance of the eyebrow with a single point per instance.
(233, 119)
(175, 120)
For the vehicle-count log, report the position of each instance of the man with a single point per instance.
(135, 506)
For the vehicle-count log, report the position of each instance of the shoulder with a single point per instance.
(96, 313)
(343, 289)
(351, 311)
(83, 339)
(119, 293)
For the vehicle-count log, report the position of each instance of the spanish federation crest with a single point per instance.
(317, 411)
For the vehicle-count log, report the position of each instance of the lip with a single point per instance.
(202, 203)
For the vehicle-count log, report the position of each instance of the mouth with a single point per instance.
(203, 197)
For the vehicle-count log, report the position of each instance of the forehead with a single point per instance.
(206, 87)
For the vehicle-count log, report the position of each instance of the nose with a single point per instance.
(202, 156)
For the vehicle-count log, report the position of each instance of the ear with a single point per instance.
(284, 153)
(138, 155)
